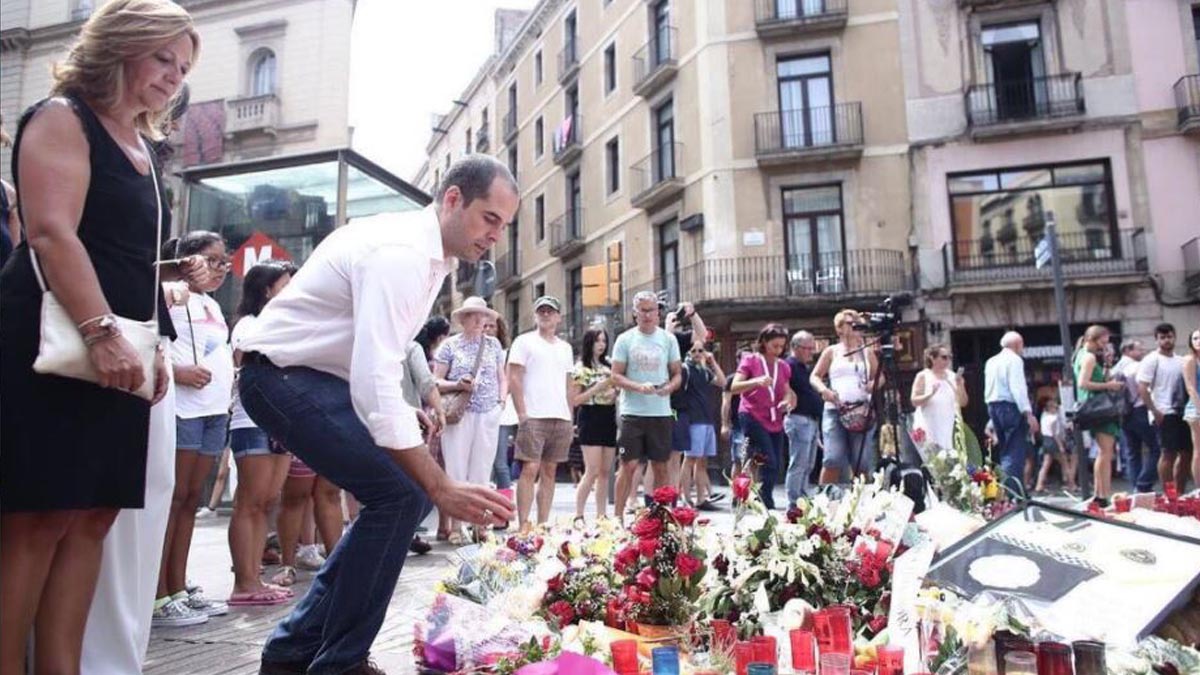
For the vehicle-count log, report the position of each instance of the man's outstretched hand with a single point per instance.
(475, 504)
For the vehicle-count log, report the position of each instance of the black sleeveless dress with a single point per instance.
(64, 443)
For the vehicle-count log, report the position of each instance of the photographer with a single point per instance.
(847, 425)
(688, 329)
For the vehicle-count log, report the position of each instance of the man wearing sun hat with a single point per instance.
(539, 367)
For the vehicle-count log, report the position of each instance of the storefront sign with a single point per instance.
(257, 248)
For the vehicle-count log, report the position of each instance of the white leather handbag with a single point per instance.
(61, 350)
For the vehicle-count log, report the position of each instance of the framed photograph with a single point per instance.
(1082, 577)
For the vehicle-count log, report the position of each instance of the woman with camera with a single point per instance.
(848, 424)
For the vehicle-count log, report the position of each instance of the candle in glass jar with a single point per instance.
(1020, 663)
(804, 660)
(891, 660)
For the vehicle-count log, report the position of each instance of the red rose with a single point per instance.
(647, 528)
(741, 487)
(918, 436)
(647, 547)
(636, 595)
(687, 564)
(555, 584)
(870, 576)
(563, 611)
(626, 558)
(666, 494)
(647, 578)
(684, 515)
(877, 623)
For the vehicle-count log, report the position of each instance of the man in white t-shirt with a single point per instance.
(539, 370)
(1159, 377)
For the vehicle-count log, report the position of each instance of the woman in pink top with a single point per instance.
(762, 381)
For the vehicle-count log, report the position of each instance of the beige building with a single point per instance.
(747, 156)
(272, 78)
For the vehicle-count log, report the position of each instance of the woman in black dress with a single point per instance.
(74, 453)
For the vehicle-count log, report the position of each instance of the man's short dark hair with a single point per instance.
(1164, 329)
(474, 175)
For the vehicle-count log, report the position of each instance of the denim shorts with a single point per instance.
(252, 441)
(844, 448)
(703, 441)
(205, 435)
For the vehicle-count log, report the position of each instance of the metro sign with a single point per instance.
(258, 248)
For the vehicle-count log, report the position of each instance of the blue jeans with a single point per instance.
(771, 446)
(501, 474)
(1012, 434)
(802, 436)
(311, 414)
(1143, 469)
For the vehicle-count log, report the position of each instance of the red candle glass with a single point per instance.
(832, 628)
(743, 656)
(1053, 658)
(766, 650)
(625, 657)
(804, 659)
(1122, 504)
(891, 660)
(724, 634)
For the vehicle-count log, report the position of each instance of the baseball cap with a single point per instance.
(547, 301)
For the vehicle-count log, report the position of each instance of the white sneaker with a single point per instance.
(198, 603)
(176, 614)
(309, 559)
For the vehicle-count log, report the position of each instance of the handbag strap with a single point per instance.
(479, 356)
(37, 265)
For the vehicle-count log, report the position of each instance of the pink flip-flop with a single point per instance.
(267, 596)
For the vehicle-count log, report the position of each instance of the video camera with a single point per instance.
(884, 321)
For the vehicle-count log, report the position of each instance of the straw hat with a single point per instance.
(474, 304)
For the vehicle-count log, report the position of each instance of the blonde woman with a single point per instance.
(1091, 377)
(843, 377)
(75, 453)
(1191, 411)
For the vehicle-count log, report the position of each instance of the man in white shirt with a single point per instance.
(1160, 378)
(321, 373)
(539, 368)
(1007, 397)
(1139, 442)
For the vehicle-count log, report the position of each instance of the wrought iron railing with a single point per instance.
(568, 135)
(1098, 251)
(1187, 99)
(659, 52)
(1025, 99)
(510, 125)
(508, 268)
(659, 166)
(774, 12)
(568, 60)
(808, 128)
(566, 231)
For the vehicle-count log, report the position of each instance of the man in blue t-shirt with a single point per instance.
(646, 368)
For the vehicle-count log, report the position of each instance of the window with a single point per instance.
(437, 179)
(1196, 29)
(805, 101)
(612, 165)
(512, 160)
(514, 315)
(812, 222)
(1014, 61)
(514, 245)
(999, 216)
(539, 290)
(447, 161)
(574, 207)
(668, 259)
(539, 143)
(661, 35)
(610, 68)
(470, 148)
(569, 39)
(262, 72)
(537, 68)
(539, 217)
(664, 141)
(575, 303)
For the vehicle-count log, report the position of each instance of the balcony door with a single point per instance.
(812, 219)
(805, 101)
(1014, 61)
(668, 259)
(574, 207)
(795, 9)
(664, 142)
(662, 34)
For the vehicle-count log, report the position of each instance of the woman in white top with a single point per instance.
(850, 368)
(261, 465)
(937, 394)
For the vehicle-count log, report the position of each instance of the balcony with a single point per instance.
(654, 178)
(568, 62)
(656, 63)
(566, 234)
(751, 285)
(1187, 103)
(567, 140)
(1093, 257)
(464, 275)
(252, 114)
(1191, 265)
(482, 142)
(808, 136)
(510, 126)
(508, 272)
(1033, 105)
(787, 18)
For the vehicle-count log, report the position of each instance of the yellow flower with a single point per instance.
(991, 490)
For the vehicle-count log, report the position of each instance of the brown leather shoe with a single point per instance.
(282, 667)
(367, 667)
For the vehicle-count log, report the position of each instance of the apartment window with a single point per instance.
(1196, 30)
(539, 290)
(262, 72)
(470, 148)
(539, 143)
(574, 206)
(510, 123)
(1014, 60)
(999, 216)
(514, 245)
(512, 160)
(537, 68)
(812, 223)
(437, 179)
(612, 165)
(610, 68)
(514, 314)
(664, 141)
(575, 303)
(661, 33)
(447, 161)
(805, 101)
(539, 217)
(668, 259)
(569, 39)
